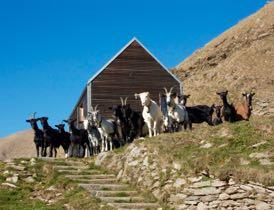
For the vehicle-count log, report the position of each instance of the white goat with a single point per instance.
(177, 112)
(94, 135)
(106, 127)
(151, 113)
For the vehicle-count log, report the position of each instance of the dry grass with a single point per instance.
(240, 59)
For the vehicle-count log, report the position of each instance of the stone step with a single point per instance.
(121, 199)
(77, 171)
(108, 193)
(69, 167)
(92, 187)
(91, 176)
(96, 181)
(135, 205)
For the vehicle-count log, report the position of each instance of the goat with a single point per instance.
(106, 127)
(93, 135)
(218, 119)
(38, 136)
(51, 136)
(243, 110)
(176, 112)
(79, 140)
(135, 121)
(64, 138)
(121, 121)
(151, 113)
(198, 113)
(228, 112)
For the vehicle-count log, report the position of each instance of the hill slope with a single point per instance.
(240, 59)
(17, 145)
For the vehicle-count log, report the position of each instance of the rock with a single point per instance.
(223, 196)
(182, 206)
(145, 162)
(9, 185)
(191, 202)
(258, 144)
(120, 174)
(177, 166)
(231, 190)
(13, 179)
(156, 184)
(32, 161)
(195, 179)
(177, 198)
(228, 203)
(51, 188)
(206, 146)
(201, 206)
(205, 191)
(192, 198)
(135, 152)
(100, 158)
(179, 182)
(244, 162)
(246, 187)
(262, 206)
(157, 194)
(201, 184)
(6, 172)
(29, 179)
(265, 162)
(238, 196)
(209, 198)
(218, 183)
(231, 182)
(258, 155)
(133, 163)
(19, 167)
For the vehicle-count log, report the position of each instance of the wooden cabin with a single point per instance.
(132, 70)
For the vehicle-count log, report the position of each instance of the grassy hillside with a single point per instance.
(240, 59)
(243, 150)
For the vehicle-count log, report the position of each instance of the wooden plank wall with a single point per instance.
(133, 71)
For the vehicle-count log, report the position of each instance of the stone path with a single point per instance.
(103, 185)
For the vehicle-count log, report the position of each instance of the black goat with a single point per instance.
(79, 140)
(64, 138)
(51, 136)
(135, 122)
(228, 112)
(121, 122)
(218, 119)
(198, 113)
(38, 137)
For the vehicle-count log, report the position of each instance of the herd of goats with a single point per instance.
(100, 134)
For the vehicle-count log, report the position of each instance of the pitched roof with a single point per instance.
(122, 50)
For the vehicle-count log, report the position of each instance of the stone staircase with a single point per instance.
(103, 185)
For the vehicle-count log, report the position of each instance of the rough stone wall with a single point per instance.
(167, 183)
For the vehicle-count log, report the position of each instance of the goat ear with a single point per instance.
(218, 93)
(110, 108)
(252, 94)
(187, 96)
(136, 95)
(28, 121)
(243, 94)
(56, 126)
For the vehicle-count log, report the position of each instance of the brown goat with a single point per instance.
(243, 109)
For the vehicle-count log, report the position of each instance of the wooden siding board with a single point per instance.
(133, 71)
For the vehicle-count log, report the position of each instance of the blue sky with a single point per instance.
(49, 49)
